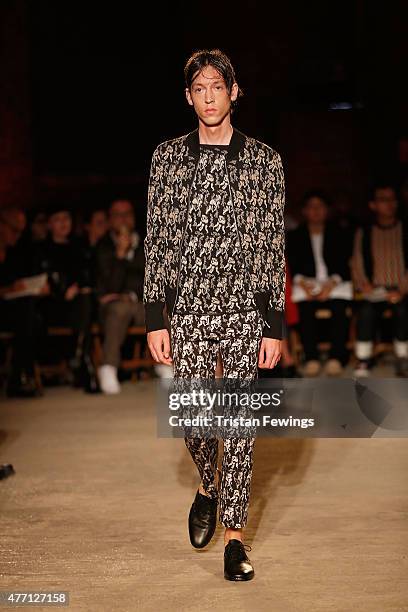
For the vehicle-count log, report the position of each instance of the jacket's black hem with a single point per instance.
(274, 319)
(277, 327)
(154, 316)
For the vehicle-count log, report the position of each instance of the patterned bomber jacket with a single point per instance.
(258, 194)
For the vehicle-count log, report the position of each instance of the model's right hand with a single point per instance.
(159, 345)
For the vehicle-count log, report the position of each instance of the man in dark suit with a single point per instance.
(119, 285)
(318, 254)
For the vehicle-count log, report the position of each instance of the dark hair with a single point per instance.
(7, 211)
(122, 197)
(55, 207)
(384, 184)
(90, 212)
(315, 193)
(218, 60)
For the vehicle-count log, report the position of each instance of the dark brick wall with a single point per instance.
(16, 177)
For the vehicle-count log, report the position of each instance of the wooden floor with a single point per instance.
(98, 507)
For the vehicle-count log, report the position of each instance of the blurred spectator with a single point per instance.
(95, 226)
(291, 222)
(12, 225)
(16, 315)
(380, 273)
(404, 199)
(343, 214)
(38, 225)
(68, 303)
(318, 256)
(120, 273)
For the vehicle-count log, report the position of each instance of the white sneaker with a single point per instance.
(333, 367)
(108, 379)
(312, 368)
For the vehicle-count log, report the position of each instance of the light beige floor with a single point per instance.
(98, 507)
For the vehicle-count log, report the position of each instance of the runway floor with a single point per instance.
(98, 507)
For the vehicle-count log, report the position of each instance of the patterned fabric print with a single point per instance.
(213, 278)
(257, 176)
(258, 192)
(195, 341)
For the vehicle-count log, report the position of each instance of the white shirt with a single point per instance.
(342, 290)
(317, 247)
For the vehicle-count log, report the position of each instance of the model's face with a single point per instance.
(210, 97)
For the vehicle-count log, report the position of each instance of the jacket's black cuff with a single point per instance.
(154, 316)
(277, 327)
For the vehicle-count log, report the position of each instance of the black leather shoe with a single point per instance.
(202, 520)
(237, 566)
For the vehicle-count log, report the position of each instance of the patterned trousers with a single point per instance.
(196, 341)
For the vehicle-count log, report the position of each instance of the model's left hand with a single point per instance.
(269, 353)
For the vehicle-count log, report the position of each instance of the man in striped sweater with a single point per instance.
(380, 274)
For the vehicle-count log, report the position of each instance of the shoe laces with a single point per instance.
(238, 551)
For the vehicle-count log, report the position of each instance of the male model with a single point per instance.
(215, 258)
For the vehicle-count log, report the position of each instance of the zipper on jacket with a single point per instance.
(182, 238)
(238, 233)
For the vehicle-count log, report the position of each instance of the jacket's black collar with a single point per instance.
(236, 143)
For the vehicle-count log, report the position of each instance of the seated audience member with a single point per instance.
(95, 226)
(68, 302)
(38, 225)
(120, 273)
(380, 274)
(291, 222)
(403, 198)
(343, 214)
(318, 255)
(17, 315)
